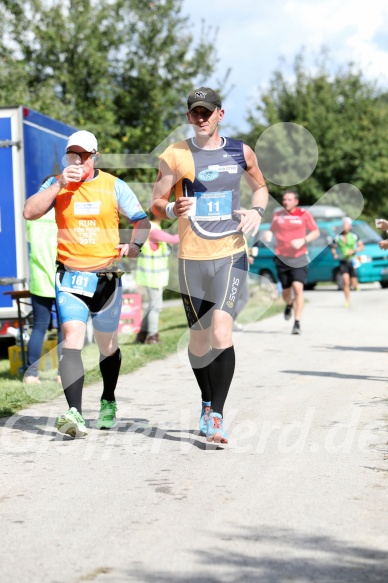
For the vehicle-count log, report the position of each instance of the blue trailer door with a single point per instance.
(8, 267)
(44, 147)
(31, 147)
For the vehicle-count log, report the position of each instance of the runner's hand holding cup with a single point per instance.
(73, 167)
(72, 173)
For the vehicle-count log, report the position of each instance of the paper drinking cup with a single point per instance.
(191, 212)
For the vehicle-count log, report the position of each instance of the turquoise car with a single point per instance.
(371, 262)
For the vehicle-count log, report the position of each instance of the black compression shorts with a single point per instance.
(208, 285)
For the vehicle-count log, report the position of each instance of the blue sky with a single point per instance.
(255, 36)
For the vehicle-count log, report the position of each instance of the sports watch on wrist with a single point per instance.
(138, 244)
(260, 210)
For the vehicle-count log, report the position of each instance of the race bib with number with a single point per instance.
(82, 283)
(213, 206)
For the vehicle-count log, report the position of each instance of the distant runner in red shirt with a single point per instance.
(293, 228)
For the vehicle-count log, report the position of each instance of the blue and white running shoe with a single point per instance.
(206, 409)
(215, 431)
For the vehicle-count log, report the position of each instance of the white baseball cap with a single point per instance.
(83, 139)
(347, 220)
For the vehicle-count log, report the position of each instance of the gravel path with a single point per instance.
(299, 494)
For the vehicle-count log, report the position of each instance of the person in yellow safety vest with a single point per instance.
(152, 273)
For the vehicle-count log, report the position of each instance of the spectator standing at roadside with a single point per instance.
(87, 204)
(42, 239)
(294, 228)
(382, 224)
(347, 244)
(152, 272)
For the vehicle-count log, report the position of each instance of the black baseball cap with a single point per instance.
(205, 97)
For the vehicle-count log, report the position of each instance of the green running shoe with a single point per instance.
(72, 423)
(107, 416)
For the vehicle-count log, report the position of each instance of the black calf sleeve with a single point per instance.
(110, 368)
(221, 371)
(200, 366)
(71, 370)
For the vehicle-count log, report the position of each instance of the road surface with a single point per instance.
(299, 494)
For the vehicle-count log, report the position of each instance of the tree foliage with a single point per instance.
(120, 68)
(347, 116)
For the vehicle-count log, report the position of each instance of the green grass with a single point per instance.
(172, 326)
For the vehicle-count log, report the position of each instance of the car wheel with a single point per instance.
(384, 284)
(268, 275)
(309, 286)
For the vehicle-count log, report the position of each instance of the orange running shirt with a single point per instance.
(87, 215)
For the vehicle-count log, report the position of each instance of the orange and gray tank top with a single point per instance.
(212, 178)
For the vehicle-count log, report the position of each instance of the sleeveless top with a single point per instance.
(212, 178)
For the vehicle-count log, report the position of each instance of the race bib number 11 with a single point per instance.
(213, 206)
